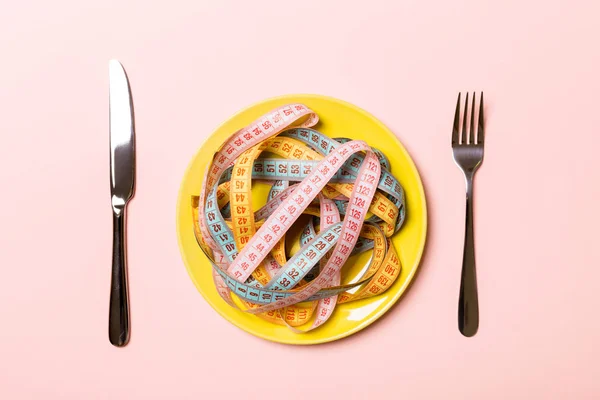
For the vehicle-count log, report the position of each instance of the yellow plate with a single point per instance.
(337, 118)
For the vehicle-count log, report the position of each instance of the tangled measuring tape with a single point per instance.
(353, 203)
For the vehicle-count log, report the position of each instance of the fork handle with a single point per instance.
(468, 303)
(118, 318)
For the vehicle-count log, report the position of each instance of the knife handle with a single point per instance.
(118, 319)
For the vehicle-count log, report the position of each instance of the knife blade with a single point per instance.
(122, 185)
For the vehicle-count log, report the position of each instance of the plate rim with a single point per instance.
(389, 304)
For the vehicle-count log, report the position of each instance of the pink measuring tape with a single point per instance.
(353, 201)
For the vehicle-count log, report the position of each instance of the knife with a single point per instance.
(122, 177)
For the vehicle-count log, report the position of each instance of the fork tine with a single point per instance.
(456, 125)
(472, 125)
(463, 134)
(480, 132)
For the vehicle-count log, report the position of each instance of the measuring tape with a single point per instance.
(344, 187)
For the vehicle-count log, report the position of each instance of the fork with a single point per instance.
(468, 155)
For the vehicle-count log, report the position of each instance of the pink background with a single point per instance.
(192, 64)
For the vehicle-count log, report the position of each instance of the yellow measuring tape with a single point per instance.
(351, 201)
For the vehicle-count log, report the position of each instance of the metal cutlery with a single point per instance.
(122, 178)
(467, 149)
